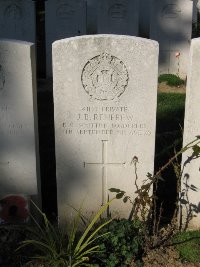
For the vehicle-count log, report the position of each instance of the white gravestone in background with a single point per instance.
(63, 18)
(171, 26)
(92, 16)
(191, 171)
(105, 113)
(118, 17)
(17, 20)
(19, 166)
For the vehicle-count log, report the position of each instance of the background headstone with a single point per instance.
(191, 171)
(118, 17)
(63, 18)
(92, 16)
(19, 166)
(17, 20)
(105, 113)
(144, 18)
(171, 26)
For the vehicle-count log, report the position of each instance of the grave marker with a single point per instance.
(105, 111)
(171, 26)
(191, 171)
(64, 18)
(118, 17)
(17, 20)
(19, 166)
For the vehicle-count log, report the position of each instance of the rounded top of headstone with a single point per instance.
(108, 36)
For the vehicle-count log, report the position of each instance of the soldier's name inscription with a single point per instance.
(104, 120)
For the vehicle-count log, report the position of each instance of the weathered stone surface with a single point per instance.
(118, 17)
(191, 171)
(171, 26)
(105, 112)
(19, 166)
(17, 20)
(65, 18)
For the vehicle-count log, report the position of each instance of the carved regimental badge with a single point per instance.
(2, 78)
(104, 77)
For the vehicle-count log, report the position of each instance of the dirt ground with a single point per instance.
(165, 257)
(164, 88)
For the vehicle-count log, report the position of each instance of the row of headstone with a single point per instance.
(104, 122)
(99, 96)
(168, 22)
(108, 112)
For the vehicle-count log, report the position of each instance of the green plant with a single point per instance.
(170, 79)
(124, 243)
(188, 245)
(144, 201)
(62, 247)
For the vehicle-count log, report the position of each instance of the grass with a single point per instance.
(170, 79)
(188, 245)
(170, 112)
(170, 120)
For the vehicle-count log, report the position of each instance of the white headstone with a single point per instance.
(17, 20)
(191, 171)
(64, 18)
(19, 166)
(118, 17)
(171, 26)
(105, 112)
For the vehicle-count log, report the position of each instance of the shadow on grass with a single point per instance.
(170, 121)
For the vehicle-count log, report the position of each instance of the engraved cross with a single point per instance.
(104, 164)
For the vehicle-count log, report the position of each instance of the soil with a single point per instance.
(164, 88)
(165, 257)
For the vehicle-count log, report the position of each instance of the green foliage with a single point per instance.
(123, 244)
(188, 245)
(170, 79)
(170, 112)
(169, 122)
(63, 247)
(144, 201)
(169, 125)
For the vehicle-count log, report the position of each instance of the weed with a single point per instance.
(125, 243)
(60, 247)
(144, 201)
